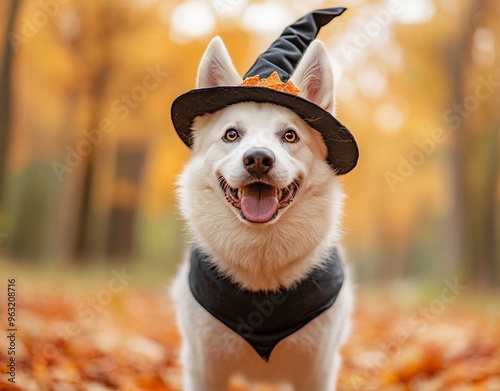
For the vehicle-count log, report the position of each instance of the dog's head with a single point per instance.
(256, 165)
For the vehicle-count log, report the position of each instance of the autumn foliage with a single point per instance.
(131, 343)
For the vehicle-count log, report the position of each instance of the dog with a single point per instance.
(264, 209)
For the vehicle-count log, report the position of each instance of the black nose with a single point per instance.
(258, 161)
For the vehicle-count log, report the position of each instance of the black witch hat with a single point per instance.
(282, 57)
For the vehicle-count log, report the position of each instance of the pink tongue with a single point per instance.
(259, 203)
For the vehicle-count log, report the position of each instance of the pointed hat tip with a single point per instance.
(285, 53)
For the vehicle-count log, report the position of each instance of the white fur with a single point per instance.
(261, 256)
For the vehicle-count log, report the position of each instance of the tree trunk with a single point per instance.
(488, 271)
(459, 249)
(121, 235)
(474, 174)
(6, 91)
(85, 245)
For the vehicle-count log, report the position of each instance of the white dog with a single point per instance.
(260, 198)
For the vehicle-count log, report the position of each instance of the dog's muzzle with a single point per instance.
(259, 202)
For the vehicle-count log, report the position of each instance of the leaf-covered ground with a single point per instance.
(127, 340)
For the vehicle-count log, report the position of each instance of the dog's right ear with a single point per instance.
(314, 76)
(216, 68)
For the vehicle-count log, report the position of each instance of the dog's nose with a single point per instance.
(258, 161)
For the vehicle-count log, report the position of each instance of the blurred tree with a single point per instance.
(6, 90)
(474, 177)
(484, 181)
(129, 166)
(98, 234)
(101, 22)
(459, 51)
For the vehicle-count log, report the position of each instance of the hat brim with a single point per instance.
(341, 145)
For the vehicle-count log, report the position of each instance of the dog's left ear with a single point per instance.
(216, 68)
(314, 76)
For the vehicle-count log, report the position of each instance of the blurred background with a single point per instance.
(89, 157)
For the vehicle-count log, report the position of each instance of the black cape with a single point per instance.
(264, 318)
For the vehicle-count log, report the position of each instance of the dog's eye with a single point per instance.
(290, 136)
(231, 135)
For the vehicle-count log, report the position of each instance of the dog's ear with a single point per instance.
(216, 67)
(314, 76)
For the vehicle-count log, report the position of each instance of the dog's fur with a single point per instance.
(261, 256)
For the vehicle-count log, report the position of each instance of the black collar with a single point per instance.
(263, 318)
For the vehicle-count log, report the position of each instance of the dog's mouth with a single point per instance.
(258, 201)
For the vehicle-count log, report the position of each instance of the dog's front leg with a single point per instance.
(201, 377)
(200, 372)
(198, 383)
(324, 380)
(204, 367)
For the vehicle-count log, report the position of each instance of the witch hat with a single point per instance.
(263, 86)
